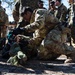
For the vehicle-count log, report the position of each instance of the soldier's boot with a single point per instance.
(70, 58)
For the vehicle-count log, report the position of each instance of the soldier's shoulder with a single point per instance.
(41, 11)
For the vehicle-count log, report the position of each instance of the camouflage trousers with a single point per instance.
(54, 50)
(52, 47)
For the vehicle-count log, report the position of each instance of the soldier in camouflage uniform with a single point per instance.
(44, 22)
(61, 11)
(71, 14)
(52, 7)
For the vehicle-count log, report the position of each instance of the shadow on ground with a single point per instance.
(37, 67)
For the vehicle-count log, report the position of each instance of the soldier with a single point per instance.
(71, 18)
(40, 4)
(43, 23)
(52, 7)
(61, 11)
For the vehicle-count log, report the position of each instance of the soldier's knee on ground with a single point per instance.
(46, 54)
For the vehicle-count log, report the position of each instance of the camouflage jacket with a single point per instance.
(43, 23)
(61, 13)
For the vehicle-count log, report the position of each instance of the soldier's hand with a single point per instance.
(17, 38)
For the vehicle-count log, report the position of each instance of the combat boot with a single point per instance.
(70, 58)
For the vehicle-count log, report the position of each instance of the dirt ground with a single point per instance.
(35, 67)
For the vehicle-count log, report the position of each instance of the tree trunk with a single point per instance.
(32, 3)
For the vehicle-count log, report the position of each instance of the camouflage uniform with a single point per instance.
(71, 20)
(52, 7)
(55, 44)
(52, 12)
(61, 13)
(43, 23)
